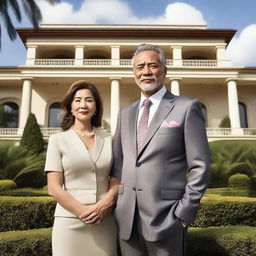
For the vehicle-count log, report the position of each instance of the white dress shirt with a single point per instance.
(155, 101)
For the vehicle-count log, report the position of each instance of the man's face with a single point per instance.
(148, 71)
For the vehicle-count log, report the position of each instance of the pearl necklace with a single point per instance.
(86, 135)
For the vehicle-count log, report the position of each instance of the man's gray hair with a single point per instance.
(151, 47)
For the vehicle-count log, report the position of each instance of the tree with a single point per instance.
(225, 122)
(31, 10)
(32, 137)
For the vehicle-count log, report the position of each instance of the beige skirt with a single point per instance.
(72, 237)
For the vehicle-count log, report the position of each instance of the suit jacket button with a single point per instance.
(138, 164)
(134, 189)
(92, 169)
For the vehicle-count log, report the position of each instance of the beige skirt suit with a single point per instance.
(86, 178)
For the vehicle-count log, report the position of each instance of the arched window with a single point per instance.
(204, 110)
(10, 115)
(54, 111)
(243, 115)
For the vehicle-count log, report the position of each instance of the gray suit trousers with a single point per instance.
(174, 245)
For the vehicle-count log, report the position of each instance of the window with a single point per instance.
(10, 115)
(243, 115)
(204, 110)
(54, 111)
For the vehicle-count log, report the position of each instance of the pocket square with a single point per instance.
(171, 124)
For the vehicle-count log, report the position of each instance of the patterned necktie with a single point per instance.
(143, 125)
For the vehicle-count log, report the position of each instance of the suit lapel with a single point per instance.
(98, 145)
(82, 148)
(132, 125)
(165, 107)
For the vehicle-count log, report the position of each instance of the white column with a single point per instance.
(221, 56)
(175, 86)
(233, 107)
(31, 55)
(115, 55)
(79, 55)
(25, 103)
(115, 103)
(177, 55)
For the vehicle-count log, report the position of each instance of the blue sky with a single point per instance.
(227, 14)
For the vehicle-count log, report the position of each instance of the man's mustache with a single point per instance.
(152, 77)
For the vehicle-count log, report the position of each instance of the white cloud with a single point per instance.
(117, 12)
(183, 14)
(241, 50)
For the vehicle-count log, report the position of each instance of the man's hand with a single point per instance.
(184, 224)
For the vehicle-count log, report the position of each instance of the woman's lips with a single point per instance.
(84, 112)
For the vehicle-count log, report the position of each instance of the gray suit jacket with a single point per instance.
(156, 177)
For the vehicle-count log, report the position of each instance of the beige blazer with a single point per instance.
(86, 178)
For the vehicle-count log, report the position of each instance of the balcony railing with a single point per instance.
(97, 62)
(199, 63)
(169, 62)
(230, 132)
(123, 62)
(54, 62)
(211, 132)
(48, 131)
(218, 131)
(8, 132)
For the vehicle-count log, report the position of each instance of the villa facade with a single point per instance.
(58, 55)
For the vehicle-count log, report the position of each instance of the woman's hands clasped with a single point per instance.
(97, 212)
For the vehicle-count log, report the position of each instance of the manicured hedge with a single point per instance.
(222, 241)
(7, 184)
(21, 213)
(26, 243)
(224, 210)
(213, 241)
(231, 192)
(25, 192)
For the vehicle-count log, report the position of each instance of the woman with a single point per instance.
(78, 163)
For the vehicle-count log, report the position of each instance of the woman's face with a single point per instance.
(83, 105)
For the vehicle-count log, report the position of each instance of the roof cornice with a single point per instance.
(125, 31)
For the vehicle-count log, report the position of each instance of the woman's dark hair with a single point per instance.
(68, 118)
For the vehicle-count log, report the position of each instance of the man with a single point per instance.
(161, 156)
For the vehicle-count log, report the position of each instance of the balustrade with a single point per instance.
(54, 62)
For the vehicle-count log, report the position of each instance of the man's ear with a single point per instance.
(165, 70)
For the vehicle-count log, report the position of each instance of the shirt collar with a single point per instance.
(155, 98)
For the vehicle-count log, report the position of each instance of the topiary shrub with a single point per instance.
(22, 213)
(7, 184)
(32, 137)
(105, 125)
(226, 210)
(239, 180)
(225, 122)
(222, 241)
(26, 243)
